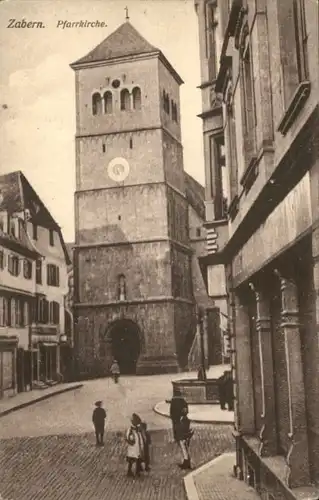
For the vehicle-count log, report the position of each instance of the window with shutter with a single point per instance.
(13, 312)
(56, 313)
(53, 275)
(2, 311)
(39, 272)
(6, 312)
(26, 314)
(19, 315)
(27, 269)
(45, 311)
(2, 259)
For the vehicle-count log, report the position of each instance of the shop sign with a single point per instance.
(45, 338)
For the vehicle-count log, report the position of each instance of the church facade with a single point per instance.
(134, 297)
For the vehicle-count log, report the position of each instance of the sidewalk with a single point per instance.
(24, 399)
(215, 481)
(200, 413)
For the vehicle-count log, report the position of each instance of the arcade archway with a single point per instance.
(124, 337)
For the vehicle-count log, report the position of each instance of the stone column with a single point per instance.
(244, 383)
(297, 457)
(268, 433)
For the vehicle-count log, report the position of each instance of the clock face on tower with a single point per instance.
(118, 169)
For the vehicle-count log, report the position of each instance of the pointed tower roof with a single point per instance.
(126, 42)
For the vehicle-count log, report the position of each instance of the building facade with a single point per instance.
(268, 80)
(134, 297)
(33, 269)
(217, 196)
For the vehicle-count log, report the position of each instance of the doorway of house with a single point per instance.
(124, 337)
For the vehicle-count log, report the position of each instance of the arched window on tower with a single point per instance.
(108, 102)
(121, 287)
(137, 98)
(125, 100)
(96, 104)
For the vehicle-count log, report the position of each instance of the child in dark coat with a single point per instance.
(147, 442)
(183, 436)
(98, 418)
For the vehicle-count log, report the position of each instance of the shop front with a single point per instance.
(45, 356)
(8, 353)
(274, 318)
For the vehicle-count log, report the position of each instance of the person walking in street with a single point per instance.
(98, 418)
(115, 370)
(222, 390)
(177, 406)
(135, 446)
(147, 442)
(184, 434)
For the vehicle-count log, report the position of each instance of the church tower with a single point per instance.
(132, 260)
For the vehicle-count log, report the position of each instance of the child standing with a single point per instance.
(135, 446)
(147, 442)
(115, 370)
(98, 418)
(184, 434)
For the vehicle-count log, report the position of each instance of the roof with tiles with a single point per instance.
(195, 194)
(17, 195)
(124, 41)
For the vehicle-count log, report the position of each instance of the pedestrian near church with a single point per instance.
(183, 436)
(98, 418)
(135, 446)
(177, 406)
(115, 370)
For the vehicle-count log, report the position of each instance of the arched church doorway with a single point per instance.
(124, 337)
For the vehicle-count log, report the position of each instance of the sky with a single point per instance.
(37, 90)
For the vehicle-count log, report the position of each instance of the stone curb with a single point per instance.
(40, 398)
(196, 421)
(189, 483)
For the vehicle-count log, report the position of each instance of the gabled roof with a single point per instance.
(195, 194)
(18, 195)
(124, 41)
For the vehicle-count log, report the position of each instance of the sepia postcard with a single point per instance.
(159, 250)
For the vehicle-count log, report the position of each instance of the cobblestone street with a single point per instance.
(47, 451)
